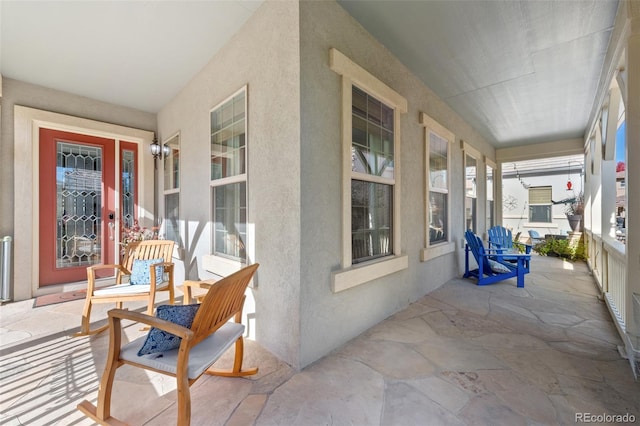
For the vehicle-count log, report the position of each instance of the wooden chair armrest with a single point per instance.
(168, 267)
(156, 322)
(91, 275)
(188, 286)
(119, 268)
(108, 266)
(205, 285)
(164, 264)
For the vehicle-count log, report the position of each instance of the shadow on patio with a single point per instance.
(461, 355)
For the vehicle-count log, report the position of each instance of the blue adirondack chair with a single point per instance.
(491, 270)
(535, 237)
(501, 238)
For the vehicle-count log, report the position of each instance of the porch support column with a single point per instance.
(608, 197)
(589, 183)
(632, 320)
(497, 194)
(595, 148)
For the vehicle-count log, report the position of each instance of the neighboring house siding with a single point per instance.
(515, 205)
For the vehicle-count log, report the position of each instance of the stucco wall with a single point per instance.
(16, 92)
(17, 163)
(294, 172)
(264, 55)
(329, 319)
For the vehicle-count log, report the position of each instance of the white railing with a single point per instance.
(595, 258)
(608, 265)
(616, 267)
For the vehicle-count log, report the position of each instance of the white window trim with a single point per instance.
(220, 265)
(490, 163)
(475, 192)
(168, 140)
(476, 155)
(440, 249)
(177, 250)
(540, 225)
(469, 149)
(349, 275)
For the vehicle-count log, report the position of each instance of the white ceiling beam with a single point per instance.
(540, 150)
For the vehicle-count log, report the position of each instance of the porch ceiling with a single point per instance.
(520, 72)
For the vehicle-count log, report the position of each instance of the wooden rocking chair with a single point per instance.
(124, 290)
(491, 270)
(209, 336)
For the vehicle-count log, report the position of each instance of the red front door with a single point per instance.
(77, 205)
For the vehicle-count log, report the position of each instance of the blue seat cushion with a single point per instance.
(160, 341)
(141, 274)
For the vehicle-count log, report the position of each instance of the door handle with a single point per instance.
(111, 226)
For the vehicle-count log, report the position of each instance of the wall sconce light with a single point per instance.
(155, 149)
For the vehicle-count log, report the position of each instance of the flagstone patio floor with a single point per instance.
(462, 355)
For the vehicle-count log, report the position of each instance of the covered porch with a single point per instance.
(456, 351)
(545, 354)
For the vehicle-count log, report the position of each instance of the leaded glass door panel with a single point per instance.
(128, 184)
(77, 205)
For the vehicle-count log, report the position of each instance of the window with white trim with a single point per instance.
(540, 204)
(438, 140)
(438, 187)
(371, 172)
(372, 177)
(229, 177)
(490, 204)
(171, 151)
(470, 197)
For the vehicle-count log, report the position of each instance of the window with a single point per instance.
(490, 204)
(470, 205)
(437, 142)
(229, 178)
(371, 188)
(171, 150)
(230, 220)
(372, 180)
(540, 204)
